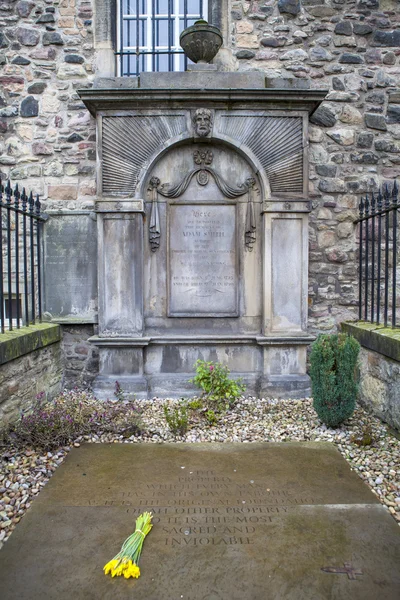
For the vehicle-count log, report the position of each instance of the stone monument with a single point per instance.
(202, 231)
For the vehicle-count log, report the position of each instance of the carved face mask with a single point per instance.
(202, 122)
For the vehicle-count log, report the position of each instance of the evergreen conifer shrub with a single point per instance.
(333, 376)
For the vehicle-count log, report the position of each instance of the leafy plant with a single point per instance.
(211, 417)
(196, 404)
(48, 424)
(333, 375)
(213, 379)
(365, 438)
(177, 419)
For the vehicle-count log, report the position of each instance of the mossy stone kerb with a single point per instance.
(381, 339)
(18, 342)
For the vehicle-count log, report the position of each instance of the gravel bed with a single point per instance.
(24, 473)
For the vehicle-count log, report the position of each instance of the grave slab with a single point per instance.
(231, 521)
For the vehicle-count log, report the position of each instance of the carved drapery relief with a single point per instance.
(154, 226)
(250, 226)
(202, 158)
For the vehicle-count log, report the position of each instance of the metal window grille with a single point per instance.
(20, 258)
(379, 261)
(148, 34)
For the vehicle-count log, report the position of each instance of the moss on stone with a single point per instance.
(378, 338)
(19, 342)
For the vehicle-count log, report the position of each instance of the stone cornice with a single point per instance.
(262, 99)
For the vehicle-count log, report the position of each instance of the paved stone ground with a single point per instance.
(231, 521)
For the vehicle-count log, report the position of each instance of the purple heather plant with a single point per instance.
(49, 424)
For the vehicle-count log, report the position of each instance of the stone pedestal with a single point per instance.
(202, 232)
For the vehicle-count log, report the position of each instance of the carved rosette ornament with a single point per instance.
(154, 227)
(204, 159)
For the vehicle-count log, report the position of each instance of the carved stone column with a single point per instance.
(120, 260)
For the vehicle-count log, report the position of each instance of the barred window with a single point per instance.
(148, 33)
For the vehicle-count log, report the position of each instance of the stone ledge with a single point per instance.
(378, 338)
(19, 342)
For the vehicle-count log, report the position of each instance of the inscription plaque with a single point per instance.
(202, 260)
(231, 522)
(70, 276)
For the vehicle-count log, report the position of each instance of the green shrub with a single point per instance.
(177, 419)
(213, 379)
(333, 375)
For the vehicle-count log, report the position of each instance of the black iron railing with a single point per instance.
(379, 296)
(20, 258)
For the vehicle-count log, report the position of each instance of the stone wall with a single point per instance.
(33, 371)
(47, 138)
(350, 47)
(80, 357)
(379, 386)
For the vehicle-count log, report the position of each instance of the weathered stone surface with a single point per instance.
(245, 54)
(74, 58)
(3, 40)
(323, 116)
(199, 270)
(386, 38)
(291, 7)
(351, 115)
(344, 28)
(326, 170)
(362, 28)
(297, 54)
(393, 113)
(387, 146)
(332, 186)
(74, 294)
(24, 8)
(20, 60)
(37, 367)
(37, 87)
(364, 140)
(74, 137)
(62, 192)
(40, 148)
(254, 497)
(389, 58)
(46, 18)
(344, 137)
(247, 40)
(27, 37)
(375, 97)
(66, 71)
(375, 121)
(366, 158)
(52, 37)
(271, 42)
(319, 53)
(29, 107)
(353, 59)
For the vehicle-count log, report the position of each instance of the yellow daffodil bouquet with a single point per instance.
(126, 562)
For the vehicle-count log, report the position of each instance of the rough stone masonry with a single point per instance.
(352, 48)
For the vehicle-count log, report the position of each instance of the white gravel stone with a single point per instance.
(25, 472)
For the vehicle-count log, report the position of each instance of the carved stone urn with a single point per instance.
(201, 42)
